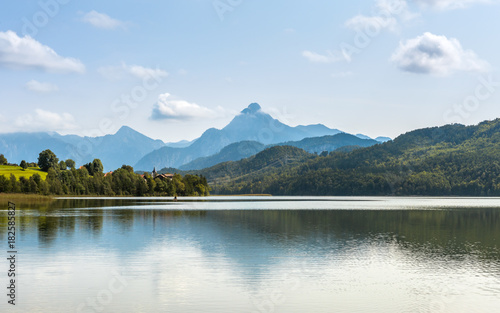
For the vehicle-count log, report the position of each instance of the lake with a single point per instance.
(255, 254)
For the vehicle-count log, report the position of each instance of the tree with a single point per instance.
(55, 186)
(98, 167)
(141, 186)
(37, 178)
(4, 184)
(23, 182)
(47, 159)
(70, 163)
(24, 165)
(3, 160)
(14, 185)
(94, 167)
(62, 165)
(151, 184)
(129, 168)
(32, 185)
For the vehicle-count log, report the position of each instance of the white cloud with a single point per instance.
(396, 8)
(322, 58)
(101, 20)
(37, 86)
(388, 14)
(167, 108)
(450, 4)
(43, 120)
(27, 53)
(438, 55)
(144, 72)
(374, 23)
(119, 72)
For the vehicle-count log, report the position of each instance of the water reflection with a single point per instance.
(459, 231)
(245, 260)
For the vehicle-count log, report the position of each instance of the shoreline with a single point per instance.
(20, 197)
(36, 197)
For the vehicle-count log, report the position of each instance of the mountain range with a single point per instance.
(124, 147)
(244, 149)
(248, 133)
(252, 124)
(452, 160)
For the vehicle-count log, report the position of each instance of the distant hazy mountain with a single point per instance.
(252, 124)
(124, 147)
(383, 139)
(26, 146)
(379, 139)
(361, 136)
(244, 149)
(330, 143)
(317, 130)
(179, 144)
(233, 152)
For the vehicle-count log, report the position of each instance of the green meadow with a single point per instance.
(6, 170)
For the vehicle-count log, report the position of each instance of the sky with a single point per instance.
(172, 69)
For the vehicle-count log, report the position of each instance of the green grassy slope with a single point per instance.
(6, 170)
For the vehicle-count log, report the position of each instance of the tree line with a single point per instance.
(64, 179)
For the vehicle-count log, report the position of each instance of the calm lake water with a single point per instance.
(258, 254)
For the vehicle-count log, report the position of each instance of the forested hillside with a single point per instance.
(448, 160)
(233, 152)
(330, 143)
(272, 161)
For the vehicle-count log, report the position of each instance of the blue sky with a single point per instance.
(172, 69)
